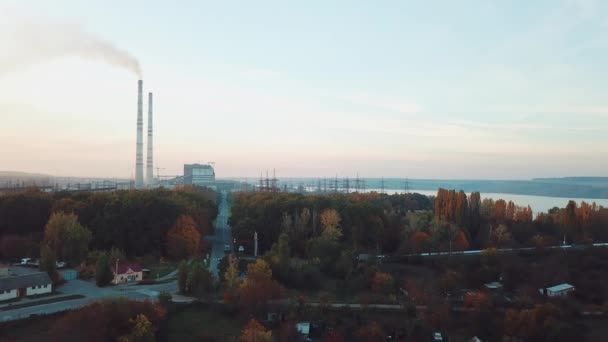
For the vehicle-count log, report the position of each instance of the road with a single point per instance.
(92, 293)
(509, 250)
(223, 234)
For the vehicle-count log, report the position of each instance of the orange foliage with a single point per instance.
(461, 242)
(259, 287)
(419, 240)
(382, 283)
(370, 332)
(477, 300)
(255, 332)
(183, 239)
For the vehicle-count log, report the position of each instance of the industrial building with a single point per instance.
(198, 174)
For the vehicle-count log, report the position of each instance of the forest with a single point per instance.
(134, 222)
(404, 224)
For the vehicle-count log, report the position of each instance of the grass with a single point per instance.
(29, 329)
(42, 295)
(41, 302)
(161, 270)
(194, 322)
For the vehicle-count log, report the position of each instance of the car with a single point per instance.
(227, 248)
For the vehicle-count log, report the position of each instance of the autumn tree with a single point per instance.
(499, 212)
(382, 283)
(183, 239)
(231, 276)
(259, 287)
(67, 237)
(501, 235)
(255, 332)
(330, 220)
(141, 331)
(419, 242)
(371, 332)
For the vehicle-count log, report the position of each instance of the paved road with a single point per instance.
(223, 234)
(92, 293)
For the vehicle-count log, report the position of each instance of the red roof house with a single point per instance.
(125, 272)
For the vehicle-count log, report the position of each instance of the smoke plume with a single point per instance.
(26, 42)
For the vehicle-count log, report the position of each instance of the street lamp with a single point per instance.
(116, 272)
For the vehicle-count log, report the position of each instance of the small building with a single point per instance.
(557, 290)
(125, 272)
(69, 274)
(25, 285)
(303, 328)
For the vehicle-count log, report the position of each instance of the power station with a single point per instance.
(140, 183)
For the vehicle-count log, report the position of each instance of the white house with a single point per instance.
(558, 290)
(25, 285)
(126, 272)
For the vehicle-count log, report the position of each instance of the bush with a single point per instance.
(165, 298)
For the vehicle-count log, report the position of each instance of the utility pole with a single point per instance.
(382, 185)
(255, 244)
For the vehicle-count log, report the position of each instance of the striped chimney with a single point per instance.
(139, 157)
(150, 153)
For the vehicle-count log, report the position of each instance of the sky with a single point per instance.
(420, 89)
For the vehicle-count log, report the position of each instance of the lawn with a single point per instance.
(197, 321)
(161, 269)
(40, 302)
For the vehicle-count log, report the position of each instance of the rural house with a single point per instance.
(25, 285)
(125, 272)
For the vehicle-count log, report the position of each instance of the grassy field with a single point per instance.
(195, 322)
(161, 270)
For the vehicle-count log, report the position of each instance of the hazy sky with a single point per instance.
(419, 89)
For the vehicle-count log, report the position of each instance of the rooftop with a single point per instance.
(22, 281)
(560, 287)
(303, 328)
(124, 267)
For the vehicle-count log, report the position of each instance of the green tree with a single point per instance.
(48, 263)
(199, 281)
(283, 251)
(67, 237)
(165, 298)
(182, 278)
(231, 276)
(103, 270)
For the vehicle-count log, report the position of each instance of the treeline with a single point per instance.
(135, 222)
(497, 223)
(368, 222)
(411, 223)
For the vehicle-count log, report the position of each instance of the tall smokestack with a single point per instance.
(150, 153)
(139, 158)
